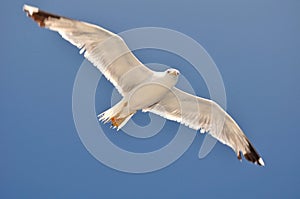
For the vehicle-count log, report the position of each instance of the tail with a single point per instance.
(117, 115)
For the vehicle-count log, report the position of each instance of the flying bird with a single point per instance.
(142, 88)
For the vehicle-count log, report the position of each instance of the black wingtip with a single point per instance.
(38, 15)
(253, 156)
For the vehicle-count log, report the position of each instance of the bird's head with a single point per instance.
(172, 72)
(171, 76)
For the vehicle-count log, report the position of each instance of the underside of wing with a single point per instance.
(206, 116)
(106, 50)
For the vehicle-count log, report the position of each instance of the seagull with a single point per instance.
(142, 88)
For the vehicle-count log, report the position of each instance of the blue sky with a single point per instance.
(255, 45)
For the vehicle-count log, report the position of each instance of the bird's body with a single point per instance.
(142, 88)
(141, 97)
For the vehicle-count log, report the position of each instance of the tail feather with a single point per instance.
(117, 115)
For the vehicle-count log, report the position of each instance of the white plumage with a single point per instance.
(142, 88)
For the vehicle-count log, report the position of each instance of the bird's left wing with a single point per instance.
(208, 116)
(106, 50)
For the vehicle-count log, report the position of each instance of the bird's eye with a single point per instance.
(168, 71)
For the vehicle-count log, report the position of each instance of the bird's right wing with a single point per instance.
(206, 115)
(106, 50)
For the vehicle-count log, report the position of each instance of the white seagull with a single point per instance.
(142, 88)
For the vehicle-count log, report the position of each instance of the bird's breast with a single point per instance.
(146, 95)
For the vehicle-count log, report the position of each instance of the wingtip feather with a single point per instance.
(39, 16)
(30, 9)
(253, 156)
(261, 162)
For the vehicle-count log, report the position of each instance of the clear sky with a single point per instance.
(255, 45)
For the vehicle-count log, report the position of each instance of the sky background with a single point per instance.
(255, 45)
